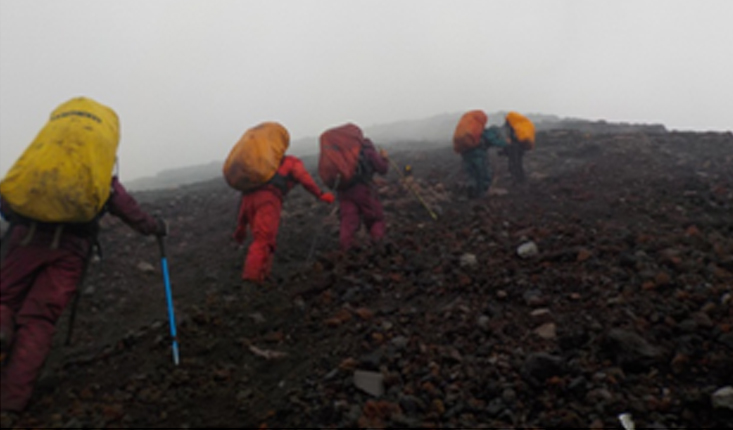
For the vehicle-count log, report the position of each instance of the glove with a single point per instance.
(162, 229)
(383, 153)
(240, 235)
(327, 197)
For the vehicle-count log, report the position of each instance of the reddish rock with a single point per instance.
(583, 255)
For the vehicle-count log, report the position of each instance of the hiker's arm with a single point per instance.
(298, 172)
(380, 164)
(122, 205)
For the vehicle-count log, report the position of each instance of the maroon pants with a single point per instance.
(37, 284)
(358, 203)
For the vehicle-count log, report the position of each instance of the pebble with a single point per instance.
(547, 331)
(483, 322)
(400, 342)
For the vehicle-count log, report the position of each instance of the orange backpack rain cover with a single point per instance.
(468, 131)
(340, 152)
(257, 155)
(523, 129)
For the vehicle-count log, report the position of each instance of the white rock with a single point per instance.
(145, 267)
(527, 250)
(723, 398)
(542, 315)
(547, 331)
(369, 382)
(468, 260)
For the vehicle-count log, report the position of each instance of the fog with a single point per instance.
(187, 77)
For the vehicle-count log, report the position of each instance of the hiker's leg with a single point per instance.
(475, 166)
(17, 274)
(350, 222)
(374, 216)
(46, 300)
(273, 213)
(484, 171)
(516, 152)
(520, 166)
(265, 223)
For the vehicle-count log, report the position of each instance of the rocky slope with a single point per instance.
(619, 302)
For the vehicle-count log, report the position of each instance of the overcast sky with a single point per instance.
(188, 77)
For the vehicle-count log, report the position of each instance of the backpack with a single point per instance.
(341, 162)
(522, 129)
(255, 158)
(64, 175)
(468, 131)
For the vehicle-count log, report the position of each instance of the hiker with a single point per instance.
(54, 225)
(472, 141)
(258, 167)
(520, 134)
(347, 163)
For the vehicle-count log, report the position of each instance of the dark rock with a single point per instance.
(412, 405)
(372, 360)
(578, 384)
(726, 339)
(353, 294)
(495, 407)
(538, 367)
(533, 298)
(570, 339)
(631, 351)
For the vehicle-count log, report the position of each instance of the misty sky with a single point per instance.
(188, 77)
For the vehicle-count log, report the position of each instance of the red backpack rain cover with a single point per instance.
(468, 131)
(340, 153)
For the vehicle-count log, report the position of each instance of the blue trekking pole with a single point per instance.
(169, 298)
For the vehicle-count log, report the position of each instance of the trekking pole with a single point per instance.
(72, 318)
(77, 294)
(169, 298)
(414, 192)
(319, 231)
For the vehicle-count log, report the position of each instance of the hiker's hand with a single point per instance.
(162, 229)
(383, 153)
(240, 235)
(327, 197)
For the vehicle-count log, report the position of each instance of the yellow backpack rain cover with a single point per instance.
(523, 129)
(64, 175)
(257, 155)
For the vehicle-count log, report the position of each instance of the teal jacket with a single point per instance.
(493, 137)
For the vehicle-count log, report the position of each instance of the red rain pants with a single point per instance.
(261, 210)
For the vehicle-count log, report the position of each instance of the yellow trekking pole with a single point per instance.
(414, 192)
